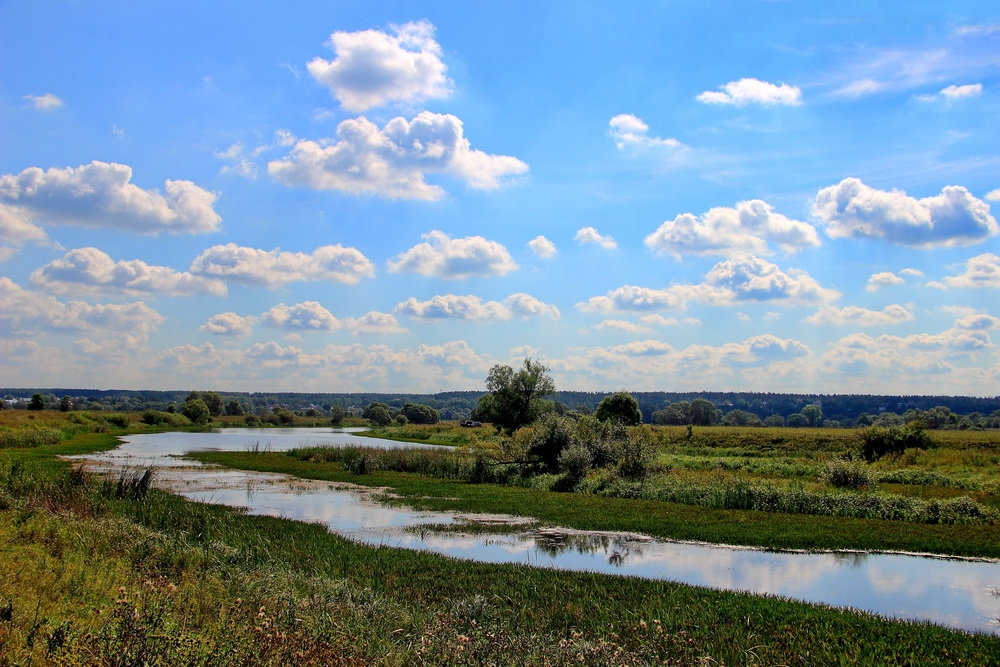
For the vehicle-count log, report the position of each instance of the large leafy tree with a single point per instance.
(516, 397)
(619, 407)
(418, 413)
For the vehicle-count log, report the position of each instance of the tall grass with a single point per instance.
(729, 493)
(158, 580)
(722, 492)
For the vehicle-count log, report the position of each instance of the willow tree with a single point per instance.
(516, 398)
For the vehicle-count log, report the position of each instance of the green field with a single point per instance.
(110, 573)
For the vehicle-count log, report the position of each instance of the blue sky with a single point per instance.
(768, 196)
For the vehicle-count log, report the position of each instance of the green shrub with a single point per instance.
(847, 474)
(880, 441)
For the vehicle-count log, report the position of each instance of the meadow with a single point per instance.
(114, 572)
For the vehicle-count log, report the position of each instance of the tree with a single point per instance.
(620, 407)
(65, 404)
(196, 411)
(704, 413)
(336, 414)
(37, 402)
(367, 414)
(379, 414)
(774, 420)
(516, 397)
(814, 414)
(798, 420)
(233, 408)
(674, 414)
(213, 402)
(418, 413)
(741, 418)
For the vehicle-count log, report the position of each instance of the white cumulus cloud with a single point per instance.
(590, 235)
(372, 68)
(101, 194)
(471, 307)
(229, 324)
(952, 218)
(444, 257)
(276, 267)
(891, 314)
(753, 91)
(980, 271)
(30, 312)
(745, 229)
(89, 270)
(374, 323)
(729, 282)
(305, 316)
(17, 229)
(542, 247)
(885, 278)
(393, 161)
(630, 132)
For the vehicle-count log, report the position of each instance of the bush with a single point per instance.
(154, 417)
(550, 435)
(879, 441)
(847, 474)
(575, 461)
(119, 420)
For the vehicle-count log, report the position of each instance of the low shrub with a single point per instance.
(880, 441)
(845, 474)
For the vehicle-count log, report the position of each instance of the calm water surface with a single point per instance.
(960, 594)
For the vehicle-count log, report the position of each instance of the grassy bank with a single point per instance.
(100, 577)
(650, 517)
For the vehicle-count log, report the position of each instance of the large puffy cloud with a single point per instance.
(101, 194)
(229, 324)
(470, 307)
(276, 267)
(630, 132)
(728, 282)
(28, 312)
(754, 279)
(645, 363)
(305, 316)
(372, 68)
(93, 271)
(753, 91)
(977, 322)
(590, 235)
(393, 161)
(891, 314)
(445, 257)
(952, 218)
(980, 271)
(744, 229)
(16, 227)
(920, 354)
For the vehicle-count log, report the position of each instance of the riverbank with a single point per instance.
(108, 571)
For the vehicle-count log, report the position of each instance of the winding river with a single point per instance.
(958, 593)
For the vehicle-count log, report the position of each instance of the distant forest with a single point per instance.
(842, 408)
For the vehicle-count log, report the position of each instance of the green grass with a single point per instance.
(159, 580)
(650, 517)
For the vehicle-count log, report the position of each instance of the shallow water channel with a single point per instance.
(962, 594)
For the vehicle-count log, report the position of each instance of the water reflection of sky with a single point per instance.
(955, 593)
